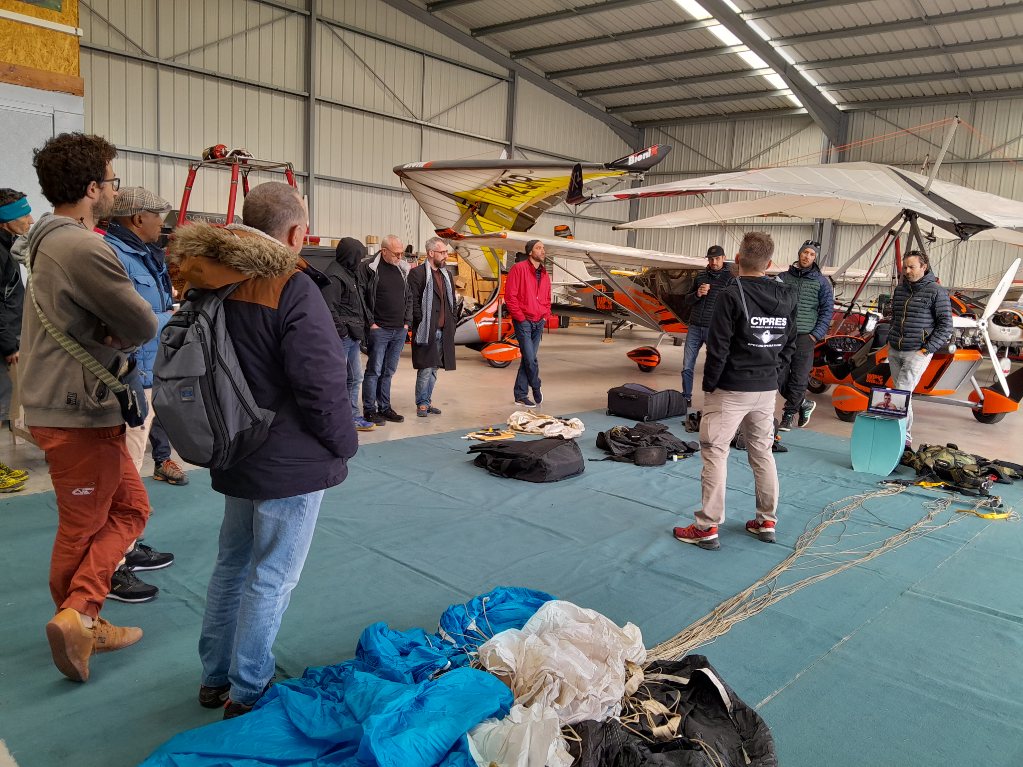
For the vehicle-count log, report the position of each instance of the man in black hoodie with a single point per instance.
(344, 297)
(706, 288)
(752, 337)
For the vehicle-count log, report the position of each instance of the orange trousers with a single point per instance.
(102, 506)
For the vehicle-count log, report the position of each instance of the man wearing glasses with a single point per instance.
(433, 323)
(384, 282)
(80, 286)
(815, 303)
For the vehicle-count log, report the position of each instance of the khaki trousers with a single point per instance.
(136, 438)
(723, 413)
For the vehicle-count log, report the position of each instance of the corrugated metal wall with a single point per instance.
(166, 80)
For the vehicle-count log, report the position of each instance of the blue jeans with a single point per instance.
(696, 337)
(351, 349)
(159, 442)
(263, 546)
(426, 378)
(529, 334)
(907, 369)
(385, 346)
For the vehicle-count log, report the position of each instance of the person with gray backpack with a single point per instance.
(251, 363)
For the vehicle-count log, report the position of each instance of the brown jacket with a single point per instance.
(83, 289)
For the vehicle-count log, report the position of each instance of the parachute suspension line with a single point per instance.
(766, 591)
(868, 141)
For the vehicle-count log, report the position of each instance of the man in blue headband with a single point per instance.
(15, 221)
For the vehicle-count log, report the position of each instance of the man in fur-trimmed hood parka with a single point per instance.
(289, 352)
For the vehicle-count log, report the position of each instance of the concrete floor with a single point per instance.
(578, 368)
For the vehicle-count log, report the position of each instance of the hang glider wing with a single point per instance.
(963, 212)
(803, 207)
(482, 196)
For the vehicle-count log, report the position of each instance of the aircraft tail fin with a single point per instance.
(640, 161)
(575, 195)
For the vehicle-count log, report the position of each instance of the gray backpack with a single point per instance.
(199, 391)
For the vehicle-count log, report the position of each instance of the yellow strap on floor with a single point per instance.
(1009, 514)
(490, 435)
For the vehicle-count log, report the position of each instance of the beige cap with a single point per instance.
(135, 199)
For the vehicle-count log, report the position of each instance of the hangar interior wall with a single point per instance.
(346, 89)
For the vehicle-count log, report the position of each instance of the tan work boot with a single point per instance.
(108, 637)
(71, 644)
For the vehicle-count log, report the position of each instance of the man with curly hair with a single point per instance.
(80, 286)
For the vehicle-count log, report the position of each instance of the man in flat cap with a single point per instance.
(706, 288)
(135, 227)
(527, 294)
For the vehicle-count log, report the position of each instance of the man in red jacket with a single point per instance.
(527, 294)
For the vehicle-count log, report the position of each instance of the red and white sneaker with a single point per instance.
(763, 529)
(705, 539)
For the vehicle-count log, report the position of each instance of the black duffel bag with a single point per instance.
(540, 460)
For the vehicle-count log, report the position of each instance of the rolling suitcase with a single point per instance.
(642, 403)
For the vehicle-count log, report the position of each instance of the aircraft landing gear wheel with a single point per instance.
(846, 416)
(498, 364)
(816, 386)
(645, 368)
(989, 417)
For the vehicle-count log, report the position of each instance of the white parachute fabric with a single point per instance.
(527, 737)
(567, 658)
(530, 422)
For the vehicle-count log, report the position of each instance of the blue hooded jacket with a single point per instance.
(148, 273)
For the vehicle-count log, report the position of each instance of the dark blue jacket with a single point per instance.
(921, 315)
(289, 352)
(12, 297)
(815, 299)
(148, 273)
(703, 306)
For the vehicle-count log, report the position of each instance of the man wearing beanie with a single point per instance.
(706, 288)
(815, 303)
(527, 294)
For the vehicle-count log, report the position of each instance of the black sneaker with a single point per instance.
(525, 402)
(375, 417)
(390, 415)
(143, 557)
(538, 396)
(125, 586)
(805, 411)
(786, 422)
(213, 697)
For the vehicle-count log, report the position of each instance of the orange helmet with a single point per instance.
(215, 152)
(646, 357)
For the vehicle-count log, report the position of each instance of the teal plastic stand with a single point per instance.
(877, 444)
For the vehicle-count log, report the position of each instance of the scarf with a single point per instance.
(423, 331)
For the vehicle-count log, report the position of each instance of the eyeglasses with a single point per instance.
(116, 182)
(445, 251)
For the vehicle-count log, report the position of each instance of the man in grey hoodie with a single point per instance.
(80, 286)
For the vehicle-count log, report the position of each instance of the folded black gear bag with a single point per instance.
(550, 459)
(639, 402)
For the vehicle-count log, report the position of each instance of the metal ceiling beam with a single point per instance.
(825, 114)
(806, 5)
(618, 37)
(945, 98)
(674, 81)
(916, 53)
(570, 13)
(761, 115)
(955, 17)
(667, 58)
(926, 77)
(718, 98)
(627, 132)
(443, 5)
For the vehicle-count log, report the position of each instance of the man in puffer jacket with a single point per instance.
(815, 305)
(921, 325)
(344, 299)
